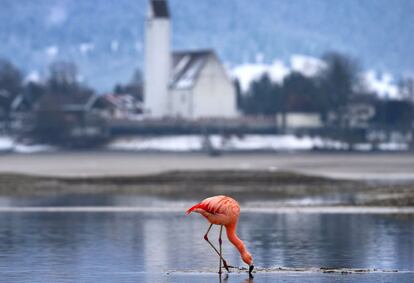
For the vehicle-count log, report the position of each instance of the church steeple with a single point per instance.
(157, 59)
(159, 9)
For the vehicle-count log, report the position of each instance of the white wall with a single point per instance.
(157, 67)
(181, 103)
(214, 94)
(301, 120)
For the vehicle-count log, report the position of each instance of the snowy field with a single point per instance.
(8, 145)
(197, 143)
(236, 144)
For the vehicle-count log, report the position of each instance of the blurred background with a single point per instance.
(226, 76)
(116, 116)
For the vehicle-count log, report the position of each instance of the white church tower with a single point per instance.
(157, 59)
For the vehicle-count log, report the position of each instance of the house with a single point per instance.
(188, 84)
(299, 120)
(200, 87)
(85, 116)
(123, 106)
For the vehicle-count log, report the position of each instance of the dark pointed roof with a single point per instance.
(186, 67)
(160, 9)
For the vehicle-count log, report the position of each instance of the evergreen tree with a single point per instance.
(134, 87)
(10, 87)
(263, 97)
(239, 94)
(63, 83)
(301, 93)
(338, 80)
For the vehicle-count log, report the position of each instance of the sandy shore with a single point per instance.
(394, 167)
(339, 179)
(272, 189)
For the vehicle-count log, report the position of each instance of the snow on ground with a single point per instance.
(170, 143)
(246, 143)
(392, 146)
(192, 143)
(22, 148)
(8, 145)
(196, 143)
(273, 142)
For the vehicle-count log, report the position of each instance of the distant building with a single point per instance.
(190, 85)
(121, 106)
(86, 116)
(157, 59)
(200, 87)
(300, 120)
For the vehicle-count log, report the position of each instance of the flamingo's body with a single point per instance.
(223, 211)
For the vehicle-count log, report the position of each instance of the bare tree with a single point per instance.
(134, 87)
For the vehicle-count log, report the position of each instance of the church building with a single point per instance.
(185, 84)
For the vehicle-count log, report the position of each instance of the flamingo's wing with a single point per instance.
(211, 205)
(219, 210)
(198, 205)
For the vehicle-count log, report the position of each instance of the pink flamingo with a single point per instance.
(223, 211)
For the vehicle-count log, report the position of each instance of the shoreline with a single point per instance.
(365, 210)
(383, 167)
(274, 189)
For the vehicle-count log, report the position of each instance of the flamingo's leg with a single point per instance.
(221, 257)
(220, 242)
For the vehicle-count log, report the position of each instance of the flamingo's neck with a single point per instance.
(231, 234)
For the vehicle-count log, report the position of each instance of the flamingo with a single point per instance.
(223, 211)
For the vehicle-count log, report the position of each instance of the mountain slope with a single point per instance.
(105, 37)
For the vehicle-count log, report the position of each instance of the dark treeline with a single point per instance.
(334, 93)
(44, 99)
(56, 105)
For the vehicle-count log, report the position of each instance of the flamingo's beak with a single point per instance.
(251, 267)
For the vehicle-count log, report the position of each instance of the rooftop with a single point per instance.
(186, 67)
(160, 9)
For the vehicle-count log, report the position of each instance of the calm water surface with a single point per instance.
(169, 247)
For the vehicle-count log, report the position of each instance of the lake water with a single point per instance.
(167, 246)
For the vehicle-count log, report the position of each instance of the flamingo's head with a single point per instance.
(247, 258)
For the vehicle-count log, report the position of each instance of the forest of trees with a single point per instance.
(331, 93)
